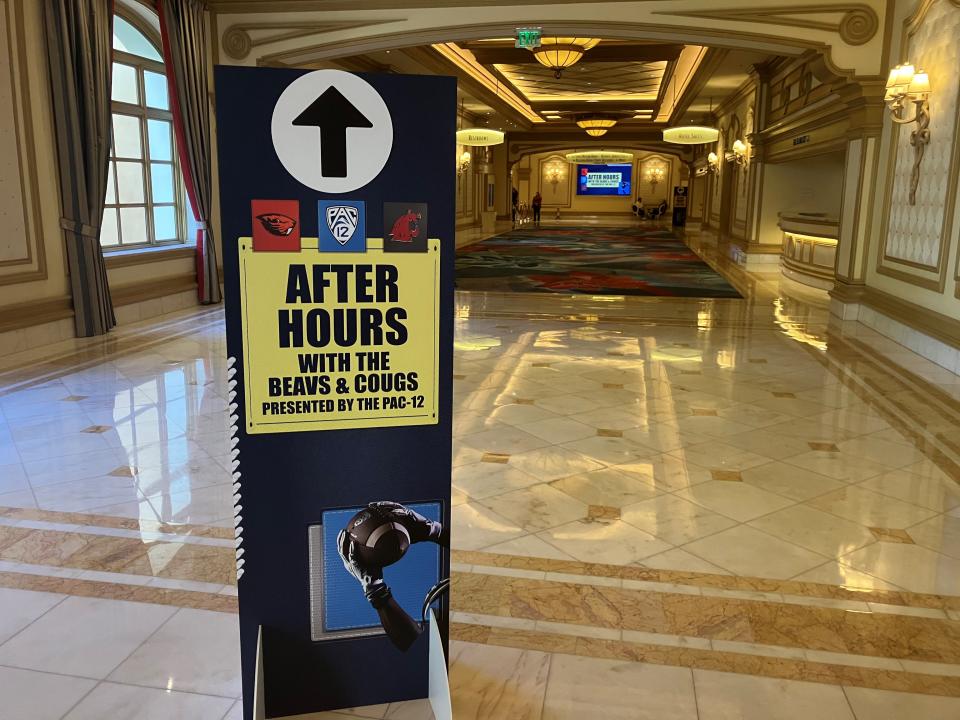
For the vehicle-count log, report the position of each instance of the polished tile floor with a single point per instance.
(664, 508)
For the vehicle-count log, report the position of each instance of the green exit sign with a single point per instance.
(528, 37)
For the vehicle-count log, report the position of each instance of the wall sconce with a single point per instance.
(555, 174)
(906, 85)
(463, 162)
(739, 152)
(654, 175)
(713, 163)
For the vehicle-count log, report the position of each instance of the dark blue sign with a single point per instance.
(343, 532)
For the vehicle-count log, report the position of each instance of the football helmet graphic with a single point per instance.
(277, 224)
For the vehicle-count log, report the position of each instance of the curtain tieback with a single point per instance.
(81, 229)
(201, 225)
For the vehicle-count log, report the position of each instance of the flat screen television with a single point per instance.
(604, 179)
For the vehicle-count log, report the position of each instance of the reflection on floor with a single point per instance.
(665, 509)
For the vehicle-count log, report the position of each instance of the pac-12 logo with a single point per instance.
(342, 222)
(342, 226)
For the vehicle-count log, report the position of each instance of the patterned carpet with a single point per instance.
(591, 260)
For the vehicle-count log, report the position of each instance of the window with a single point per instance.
(145, 199)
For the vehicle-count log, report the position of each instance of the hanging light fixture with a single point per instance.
(601, 157)
(596, 125)
(690, 134)
(558, 53)
(479, 137)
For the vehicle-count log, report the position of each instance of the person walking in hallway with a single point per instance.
(515, 201)
(537, 205)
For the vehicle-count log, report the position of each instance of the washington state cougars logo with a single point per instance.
(342, 222)
(406, 228)
(277, 224)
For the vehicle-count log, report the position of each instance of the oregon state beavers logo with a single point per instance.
(277, 224)
(406, 227)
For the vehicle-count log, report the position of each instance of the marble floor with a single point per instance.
(664, 509)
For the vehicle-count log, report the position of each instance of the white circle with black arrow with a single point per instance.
(332, 131)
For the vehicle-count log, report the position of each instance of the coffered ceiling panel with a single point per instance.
(595, 81)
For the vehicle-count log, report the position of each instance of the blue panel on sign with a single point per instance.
(410, 579)
(342, 226)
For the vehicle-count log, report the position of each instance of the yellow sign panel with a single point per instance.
(335, 340)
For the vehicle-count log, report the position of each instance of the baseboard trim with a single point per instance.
(936, 325)
(138, 292)
(38, 312)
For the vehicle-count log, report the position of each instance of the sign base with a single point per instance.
(439, 680)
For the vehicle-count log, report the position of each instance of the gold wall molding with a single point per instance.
(237, 41)
(622, 29)
(858, 25)
(567, 182)
(23, 126)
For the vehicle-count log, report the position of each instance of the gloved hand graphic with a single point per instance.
(420, 528)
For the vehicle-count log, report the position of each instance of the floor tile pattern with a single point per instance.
(662, 508)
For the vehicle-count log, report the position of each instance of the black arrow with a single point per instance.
(333, 114)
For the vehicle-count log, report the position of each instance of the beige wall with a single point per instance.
(32, 266)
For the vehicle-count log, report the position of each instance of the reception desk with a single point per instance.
(809, 247)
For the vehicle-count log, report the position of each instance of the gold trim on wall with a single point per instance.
(26, 154)
(619, 29)
(938, 283)
(858, 25)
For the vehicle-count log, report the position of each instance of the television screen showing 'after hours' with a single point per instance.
(603, 179)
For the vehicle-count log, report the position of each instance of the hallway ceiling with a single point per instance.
(614, 76)
(504, 87)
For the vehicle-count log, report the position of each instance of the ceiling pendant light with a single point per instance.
(690, 134)
(596, 125)
(558, 53)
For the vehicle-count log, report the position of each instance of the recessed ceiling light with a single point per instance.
(554, 117)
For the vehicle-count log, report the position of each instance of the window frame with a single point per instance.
(144, 114)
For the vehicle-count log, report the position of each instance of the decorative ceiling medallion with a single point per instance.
(690, 134)
(859, 26)
(599, 156)
(479, 137)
